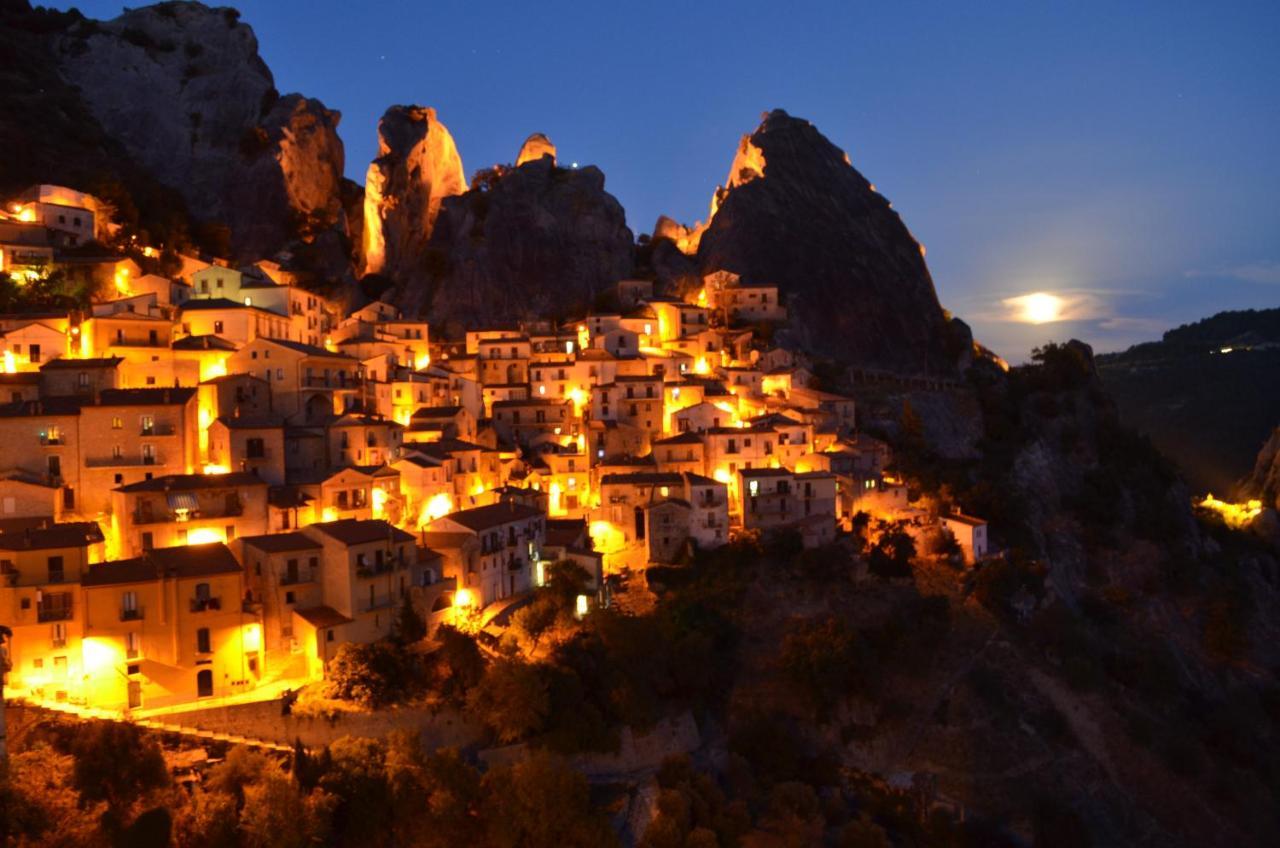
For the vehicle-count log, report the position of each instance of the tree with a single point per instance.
(458, 662)
(39, 804)
(409, 626)
(534, 619)
(370, 674)
(511, 699)
(541, 802)
(116, 763)
(824, 661)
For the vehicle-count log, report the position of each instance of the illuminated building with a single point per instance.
(189, 509)
(490, 550)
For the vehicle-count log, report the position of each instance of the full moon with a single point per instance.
(1038, 307)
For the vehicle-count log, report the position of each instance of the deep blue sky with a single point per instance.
(1123, 155)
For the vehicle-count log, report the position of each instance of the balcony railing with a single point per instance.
(204, 604)
(131, 614)
(59, 613)
(157, 430)
(378, 603)
(122, 461)
(166, 516)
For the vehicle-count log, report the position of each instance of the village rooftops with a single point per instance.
(306, 349)
(730, 431)
(322, 617)
(483, 518)
(766, 472)
(145, 397)
(429, 412)
(251, 422)
(642, 478)
(64, 364)
(277, 543)
(72, 534)
(287, 497)
(687, 438)
(182, 561)
(204, 342)
(701, 480)
(353, 531)
(961, 518)
(43, 407)
(193, 482)
(20, 476)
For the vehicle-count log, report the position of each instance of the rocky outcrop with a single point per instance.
(183, 89)
(533, 241)
(795, 213)
(1264, 482)
(534, 148)
(417, 167)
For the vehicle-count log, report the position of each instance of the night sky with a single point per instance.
(1126, 160)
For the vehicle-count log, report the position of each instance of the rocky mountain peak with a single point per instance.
(417, 167)
(182, 87)
(794, 212)
(534, 148)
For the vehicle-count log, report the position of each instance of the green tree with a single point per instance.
(511, 699)
(371, 674)
(117, 763)
(409, 628)
(541, 802)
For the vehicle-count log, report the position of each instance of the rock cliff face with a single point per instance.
(534, 148)
(182, 88)
(1264, 482)
(417, 167)
(794, 212)
(535, 240)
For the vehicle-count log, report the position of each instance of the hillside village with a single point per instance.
(211, 479)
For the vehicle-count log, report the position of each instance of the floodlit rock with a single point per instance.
(183, 89)
(1264, 482)
(794, 213)
(417, 167)
(534, 241)
(534, 148)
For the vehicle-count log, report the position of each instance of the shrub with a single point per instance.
(372, 675)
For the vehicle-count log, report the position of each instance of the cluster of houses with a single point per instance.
(209, 481)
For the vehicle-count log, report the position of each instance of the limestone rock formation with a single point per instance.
(534, 148)
(1264, 482)
(417, 167)
(795, 213)
(182, 87)
(537, 240)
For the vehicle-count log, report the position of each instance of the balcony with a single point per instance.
(378, 603)
(167, 516)
(131, 614)
(123, 461)
(299, 578)
(157, 430)
(53, 613)
(206, 604)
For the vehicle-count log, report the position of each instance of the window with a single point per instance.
(202, 641)
(117, 423)
(129, 604)
(148, 425)
(148, 454)
(55, 466)
(217, 327)
(33, 353)
(132, 644)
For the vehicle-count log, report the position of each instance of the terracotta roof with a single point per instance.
(82, 364)
(495, 515)
(322, 617)
(353, 531)
(204, 342)
(273, 543)
(642, 478)
(306, 349)
(72, 534)
(182, 561)
(189, 482)
(145, 397)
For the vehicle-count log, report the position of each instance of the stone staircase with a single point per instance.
(158, 726)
